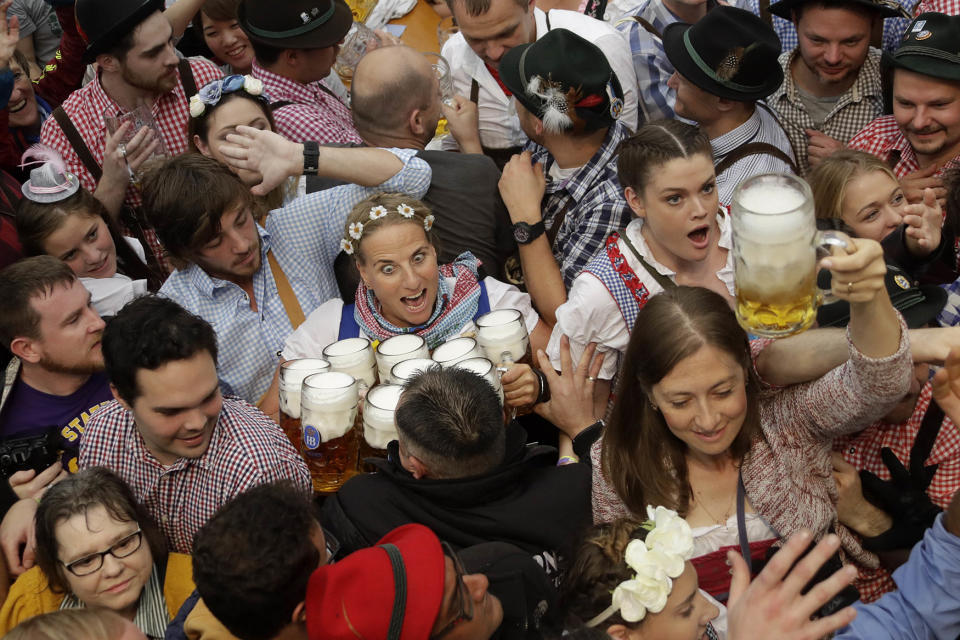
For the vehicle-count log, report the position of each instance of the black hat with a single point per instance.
(541, 74)
(929, 47)
(918, 304)
(883, 8)
(295, 24)
(102, 23)
(729, 53)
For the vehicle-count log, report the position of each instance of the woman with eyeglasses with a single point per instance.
(97, 548)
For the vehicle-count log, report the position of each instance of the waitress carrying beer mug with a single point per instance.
(404, 291)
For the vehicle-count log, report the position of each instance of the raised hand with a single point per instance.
(571, 406)
(924, 221)
(271, 155)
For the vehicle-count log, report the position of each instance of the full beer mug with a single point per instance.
(391, 351)
(403, 371)
(503, 337)
(486, 370)
(456, 349)
(328, 415)
(292, 373)
(355, 357)
(775, 242)
(379, 427)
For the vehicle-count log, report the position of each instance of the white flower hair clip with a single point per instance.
(655, 562)
(405, 210)
(356, 230)
(197, 107)
(378, 212)
(346, 246)
(428, 222)
(253, 86)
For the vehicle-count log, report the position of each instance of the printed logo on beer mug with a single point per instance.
(311, 437)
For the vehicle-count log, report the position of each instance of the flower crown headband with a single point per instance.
(355, 230)
(655, 562)
(211, 93)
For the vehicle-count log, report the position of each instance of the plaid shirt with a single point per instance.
(86, 106)
(950, 315)
(884, 139)
(762, 126)
(862, 450)
(854, 110)
(305, 238)
(316, 113)
(246, 449)
(893, 28)
(594, 203)
(949, 7)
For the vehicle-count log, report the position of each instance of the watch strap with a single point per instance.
(534, 230)
(311, 157)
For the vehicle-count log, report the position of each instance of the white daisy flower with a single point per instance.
(405, 210)
(378, 212)
(428, 222)
(346, 246)
(356, 230)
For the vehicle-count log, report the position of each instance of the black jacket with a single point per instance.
(527, 501)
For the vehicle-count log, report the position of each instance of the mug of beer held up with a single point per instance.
(775, 242)
(292, 374)
(329, 424)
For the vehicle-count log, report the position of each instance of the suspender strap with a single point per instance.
(474, 90)
(742, 522)
(647, 26)
(187, 79)
(764, 6)
(399, 591)
(926, 437)
(776, 116)
(348, 324)
(76, 140)
(661, 279)
(547, 16)
(279, 104)
(557, 223)
(483, 304)
(754, 149)
(289, 299)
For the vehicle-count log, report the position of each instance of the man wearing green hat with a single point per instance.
(921, 138)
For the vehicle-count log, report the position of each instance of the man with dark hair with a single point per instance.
(831, 86)
(563, 194)
(257, 284)
(183, 448)
(725, 65)
(491, 28)
(455, 469)
(296, 43)
(55, 383)
(132, 44)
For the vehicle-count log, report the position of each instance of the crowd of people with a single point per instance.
(193, 201)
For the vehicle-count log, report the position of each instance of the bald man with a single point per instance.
(396, 103)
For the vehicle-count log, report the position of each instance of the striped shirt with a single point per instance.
(246, 449)
(152, 617)
(762, 126)
(861, 103)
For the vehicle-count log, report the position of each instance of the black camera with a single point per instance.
(29, 452)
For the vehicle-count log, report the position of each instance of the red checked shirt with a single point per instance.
(247, 449)
(315, 112)
(86, 106)
(884, 139)
(949, 7)
(862, 450)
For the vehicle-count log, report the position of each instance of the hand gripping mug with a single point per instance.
(775, 242)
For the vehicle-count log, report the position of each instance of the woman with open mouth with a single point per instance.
(98, 549)
(680, 235)
(58, 217)
(403, 290)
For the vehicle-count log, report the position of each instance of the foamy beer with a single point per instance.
(379, 427)
(403, 371)
(503, 337)
(355, 357)
(292, 373)
(775, 243)
(391, 351)
(486, 370)
(455, 350)
(328, 414)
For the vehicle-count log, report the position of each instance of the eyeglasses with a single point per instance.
(92, 563)
(466, 601)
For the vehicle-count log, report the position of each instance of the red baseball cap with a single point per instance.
(372, 592)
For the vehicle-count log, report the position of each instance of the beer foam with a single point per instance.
(379, 408)
(292, 374)
(397, 349)
(329, 403)
(455, 350)
(405, 370)
(486, 370)
(353, 356)
(772, 213)
(502, 331)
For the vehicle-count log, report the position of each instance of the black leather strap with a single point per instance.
(754, 149)
(661, 279)
(186, 78)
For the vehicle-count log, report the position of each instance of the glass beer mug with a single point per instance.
(503, 337)
(292, 373)
(379, 427)
(456, 349)
(328, 416)
(391, 351)
(486, 370)
(403, 371)
(355, 357)
(775, 242)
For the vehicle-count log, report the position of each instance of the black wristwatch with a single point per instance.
(525, 233)
(311, 158)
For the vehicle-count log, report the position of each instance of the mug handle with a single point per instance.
(825, 241)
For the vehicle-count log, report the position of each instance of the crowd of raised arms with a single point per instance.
(595, 318)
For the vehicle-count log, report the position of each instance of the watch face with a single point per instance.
(521, 233)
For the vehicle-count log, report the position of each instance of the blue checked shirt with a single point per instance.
(950, 316)
(305, 238)
(893, 28)
(594, 203)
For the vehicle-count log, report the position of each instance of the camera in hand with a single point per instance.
(29, 452)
